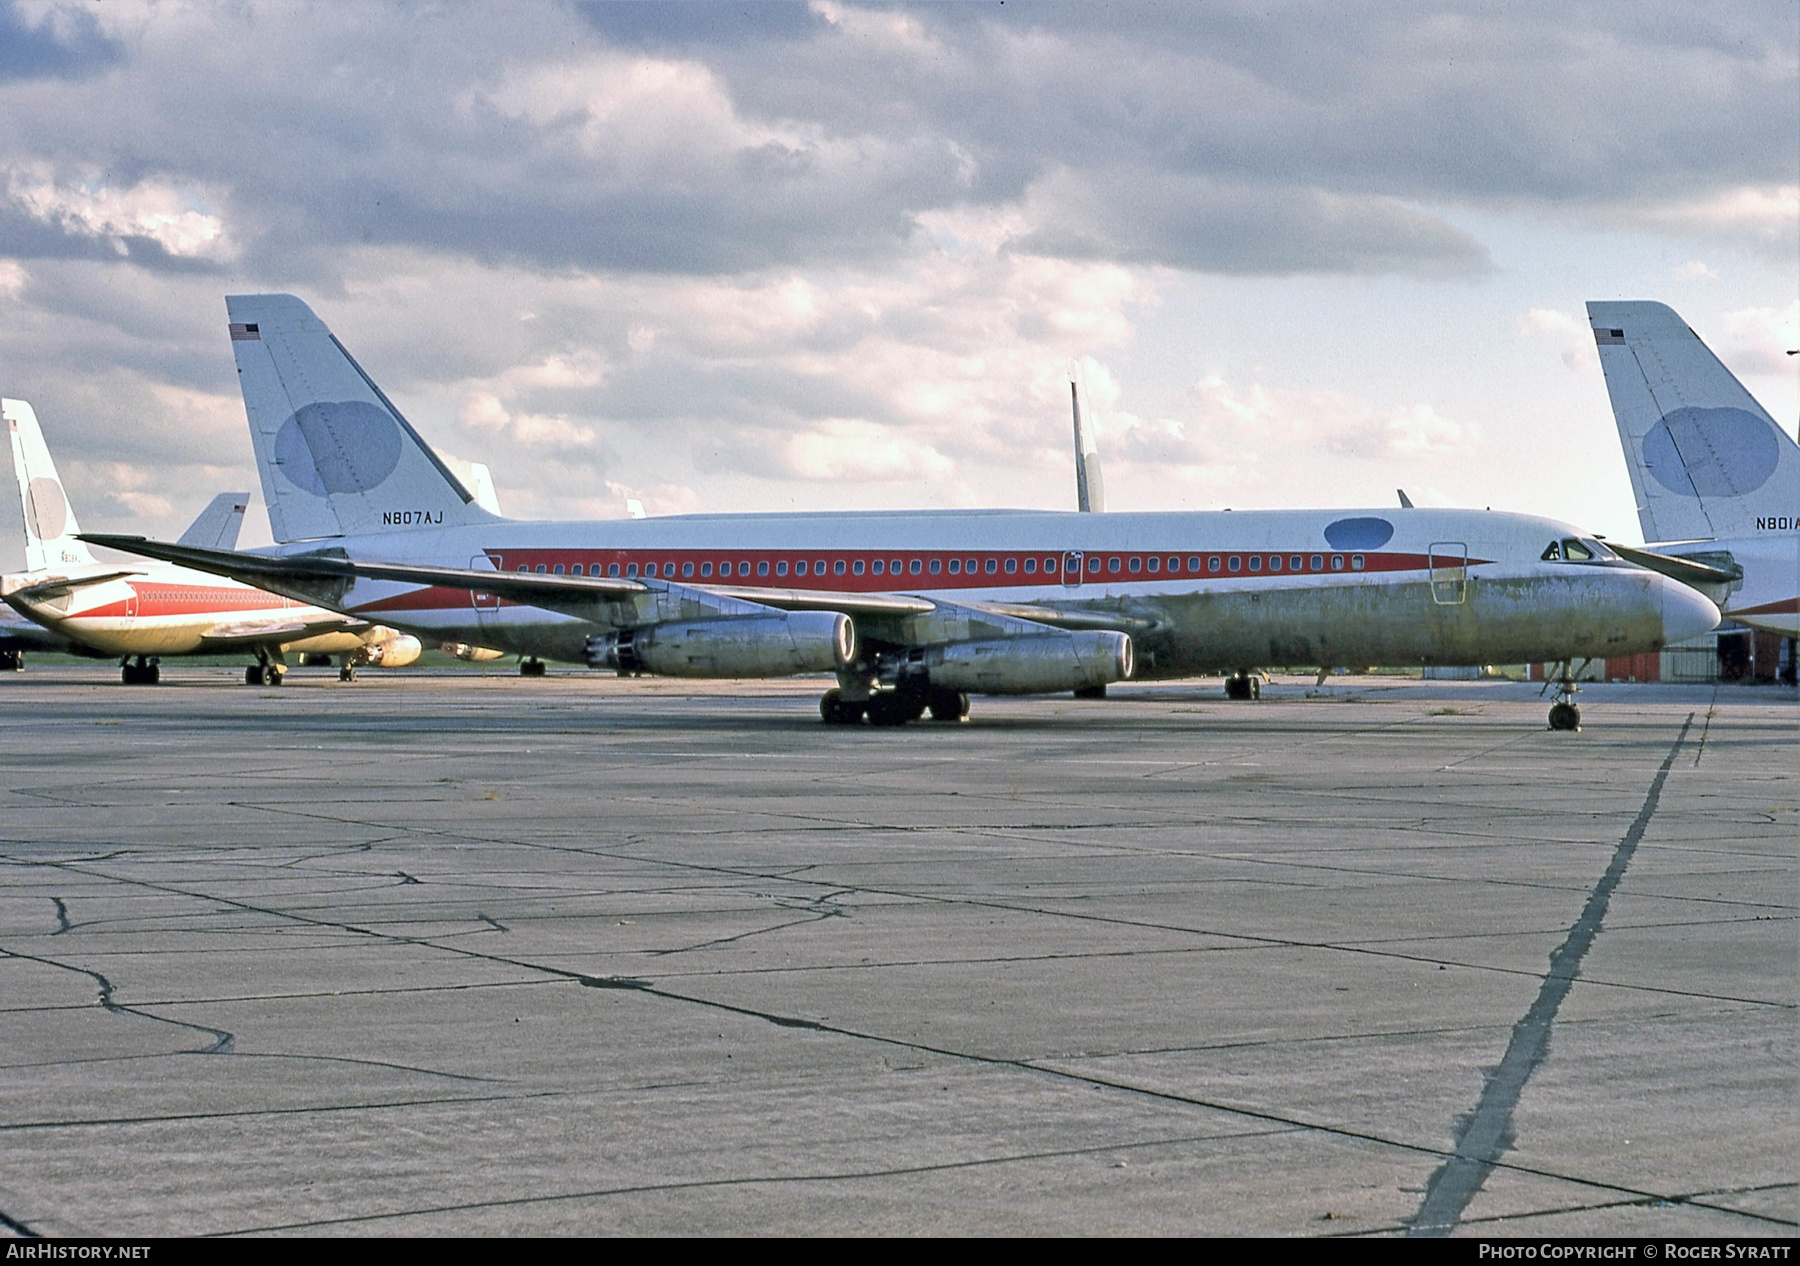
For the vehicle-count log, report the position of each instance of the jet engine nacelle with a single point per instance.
(1029, 665)
(472, 654)
(393, 652)
(746, 646)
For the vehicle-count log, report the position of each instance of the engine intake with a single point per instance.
(745, 646)
(1031, 664)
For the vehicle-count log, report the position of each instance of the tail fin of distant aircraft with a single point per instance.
(1706, 459)
(219, 524)
(336, 458)
(1090, 489)
(50, 527)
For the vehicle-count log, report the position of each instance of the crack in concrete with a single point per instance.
(1486, 1133)
(221, 1039)
(62, 917)
(18, 1228)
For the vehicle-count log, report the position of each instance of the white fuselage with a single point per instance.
(161, 610)
(1199, 591)
(1768, 595)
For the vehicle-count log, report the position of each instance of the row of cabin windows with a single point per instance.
(972, 566)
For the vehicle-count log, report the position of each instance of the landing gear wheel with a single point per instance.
(1565, 716)
(142, 673)
(532, 667)
(1091, 692)
(253, 675)
(834, 709)
(1243, 687)
(948, 705)
(12, 661)
(890, 709)
(347, 673)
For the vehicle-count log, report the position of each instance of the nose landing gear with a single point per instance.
(143, 673)
(1564, 715)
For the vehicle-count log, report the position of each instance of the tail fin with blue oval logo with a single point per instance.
(51, 533)
(1706, 460)
(335, 457)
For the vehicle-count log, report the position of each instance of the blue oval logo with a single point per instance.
(337, 447)
(1711, 452)
(1359, 533)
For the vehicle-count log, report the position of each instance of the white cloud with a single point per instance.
(1758, 339)
(1571, 335)
(178, 220)
(1695, 270)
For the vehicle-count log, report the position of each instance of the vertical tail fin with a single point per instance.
(1706, 460)
(336, 458)
(218, 525)
(1090, 489)
(50, 527)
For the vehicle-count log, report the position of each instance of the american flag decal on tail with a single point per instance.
(244, 333)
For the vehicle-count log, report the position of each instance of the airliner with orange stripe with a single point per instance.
(911, 611)
(140, 614)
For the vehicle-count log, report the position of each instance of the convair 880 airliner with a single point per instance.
(912, 611)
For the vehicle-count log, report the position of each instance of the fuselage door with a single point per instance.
(1449, 564)
(1071, 566)
(484, 603)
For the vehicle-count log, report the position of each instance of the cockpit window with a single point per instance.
(1552, 552)
(1575, 552)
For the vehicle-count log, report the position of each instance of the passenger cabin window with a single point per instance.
(1275, 562)
(557, 570)
(1234, 562)
(1093, 564)
(1050, 564)
(858, 567)
(1296, 563)
(1137, 564)
(630, 569)
(762, 568)
(1356, 562)
(818, 567)
(917, 566)
(1012, 565)
(992, 566)
(687, 569)
(1256, 562)
(956, 567)
(1337, 562)
(781, 567)
(800, 568)
(524, 567)
(971, 565)
(540, 568)
(877, 567)
(837, 568)
(705, 569)
(1153, 564)
(937, 565)
(895, 566)
(1212, 564)
(1318, 562)
(1112, 564)
(1030, 567)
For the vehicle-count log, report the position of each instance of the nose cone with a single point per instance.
(1686, 613)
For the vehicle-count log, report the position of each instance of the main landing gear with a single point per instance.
(143, 673)
(531, 666)
(12, 661)
(1244, 686)
(266, 671)
(1564, 715)
(894, 707)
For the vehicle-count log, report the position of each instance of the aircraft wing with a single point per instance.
(61, 586)
(250, 634)
(263, 569)
(823, 600)
(1689, 571)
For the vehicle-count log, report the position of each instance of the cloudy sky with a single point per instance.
(768, 255)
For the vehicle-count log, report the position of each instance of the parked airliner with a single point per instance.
(911, 611)
(1717, 481)
(143, 613)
